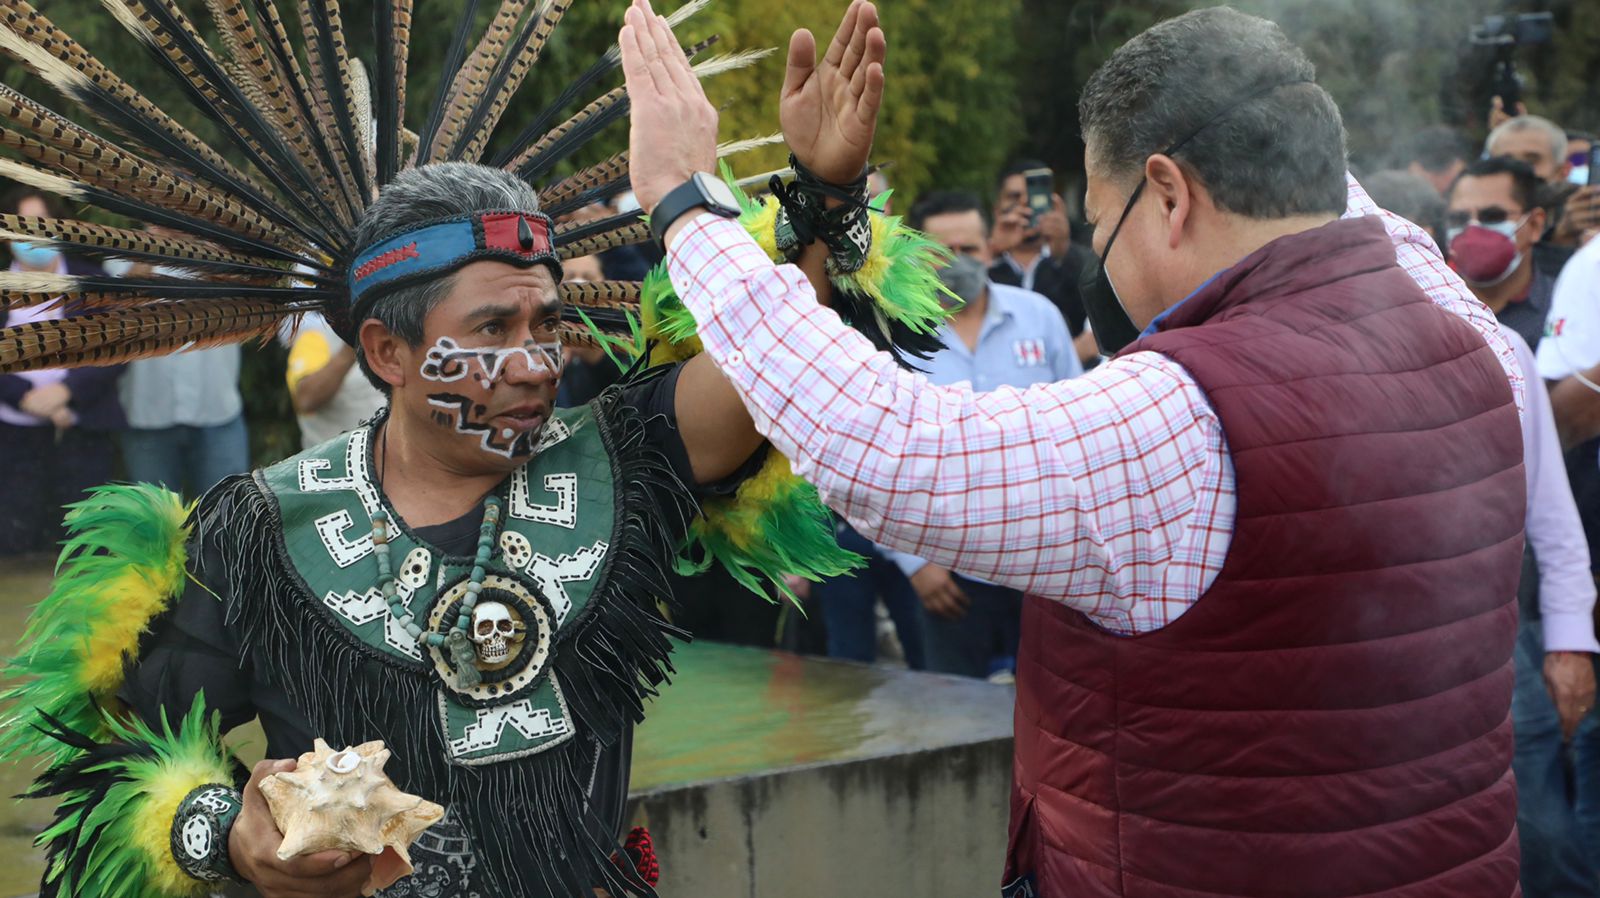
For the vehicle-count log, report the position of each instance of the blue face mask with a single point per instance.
(32, 255)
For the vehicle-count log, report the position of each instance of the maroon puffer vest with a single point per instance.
(1332, 718)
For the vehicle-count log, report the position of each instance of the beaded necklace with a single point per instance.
(463, 658)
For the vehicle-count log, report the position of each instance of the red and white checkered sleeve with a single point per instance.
(1102, 492)
(1417, 254)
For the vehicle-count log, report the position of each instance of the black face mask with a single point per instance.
(1113, 327)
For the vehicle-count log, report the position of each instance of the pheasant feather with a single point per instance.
(601, 294)
(61, 62)
(66, 233)
(607, 62)
(162, 26)
(472, 81)
(268, 87)
(525, 53)
(577, 130)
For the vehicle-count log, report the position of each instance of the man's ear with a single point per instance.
(387, 355)
(1174, 192)
(1536, 220)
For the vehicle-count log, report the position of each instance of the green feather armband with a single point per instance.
(775, 525)
(119, 796)
(804, 218)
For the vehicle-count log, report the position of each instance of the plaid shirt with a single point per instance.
(1113, 492)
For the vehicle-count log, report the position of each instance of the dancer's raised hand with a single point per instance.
(829, 109)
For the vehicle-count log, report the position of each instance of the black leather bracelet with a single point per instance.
(200, 832)
(804, 218)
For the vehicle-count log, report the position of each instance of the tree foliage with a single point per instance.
(1392, 67)
(971, 83)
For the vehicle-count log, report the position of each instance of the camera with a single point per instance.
(1505, 34)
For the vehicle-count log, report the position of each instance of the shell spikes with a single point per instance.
(343, 801)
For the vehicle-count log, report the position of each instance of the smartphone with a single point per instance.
(1041, 192)
(1594, 165)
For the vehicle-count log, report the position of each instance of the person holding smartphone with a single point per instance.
(1031, 243)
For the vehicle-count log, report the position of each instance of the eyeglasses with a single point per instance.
(1489, 215)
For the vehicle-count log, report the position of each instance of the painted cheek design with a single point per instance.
(461, 414)
(445, 361)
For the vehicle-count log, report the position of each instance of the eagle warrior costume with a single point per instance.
(503, 655)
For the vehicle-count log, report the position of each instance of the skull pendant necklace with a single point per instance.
(457, 643)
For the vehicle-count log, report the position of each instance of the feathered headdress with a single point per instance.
(263, 227)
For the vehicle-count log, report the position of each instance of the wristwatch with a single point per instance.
(702, 191)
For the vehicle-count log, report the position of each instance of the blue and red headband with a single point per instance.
(436, 248)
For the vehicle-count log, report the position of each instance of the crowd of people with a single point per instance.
(1515, 219)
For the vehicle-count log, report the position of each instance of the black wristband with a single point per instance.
(200, 832)
(804, 218)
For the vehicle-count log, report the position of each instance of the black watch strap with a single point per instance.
(685, 198)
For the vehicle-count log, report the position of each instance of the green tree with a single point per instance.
(1392, 67)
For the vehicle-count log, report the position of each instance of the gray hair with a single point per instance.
(419, 195)
(1551, 131)
(1271, 146)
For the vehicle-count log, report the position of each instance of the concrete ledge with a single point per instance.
(901, 789)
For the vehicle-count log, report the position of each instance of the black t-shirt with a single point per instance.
(1056, 279)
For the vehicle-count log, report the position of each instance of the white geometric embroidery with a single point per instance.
(562, 514)
(366, 607)
(196, 837)
(331, 528)
(485, 732)
(554, 432)
(575, 568)
(214, 800)
(344, 552)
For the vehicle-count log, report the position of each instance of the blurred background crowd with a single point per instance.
(1480, 129)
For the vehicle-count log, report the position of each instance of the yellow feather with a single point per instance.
(151, 824)
(764, 227)
(128, 603)
(739, 518)
(876, 269)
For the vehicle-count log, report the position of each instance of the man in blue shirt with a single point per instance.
(1002, 336)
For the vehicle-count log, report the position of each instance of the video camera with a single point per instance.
(1505, 34)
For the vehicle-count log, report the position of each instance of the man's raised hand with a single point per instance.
(829, 110)
(674, 126)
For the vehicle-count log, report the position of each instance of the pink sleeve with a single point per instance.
(1417, 254)
(1090, 491)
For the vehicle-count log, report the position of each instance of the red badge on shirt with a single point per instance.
(1030, 353)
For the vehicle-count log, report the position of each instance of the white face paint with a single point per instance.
(447, 361)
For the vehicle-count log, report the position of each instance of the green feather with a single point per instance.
(119, 535)
(101, 851)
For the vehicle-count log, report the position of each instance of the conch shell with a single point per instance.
(342, 801)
